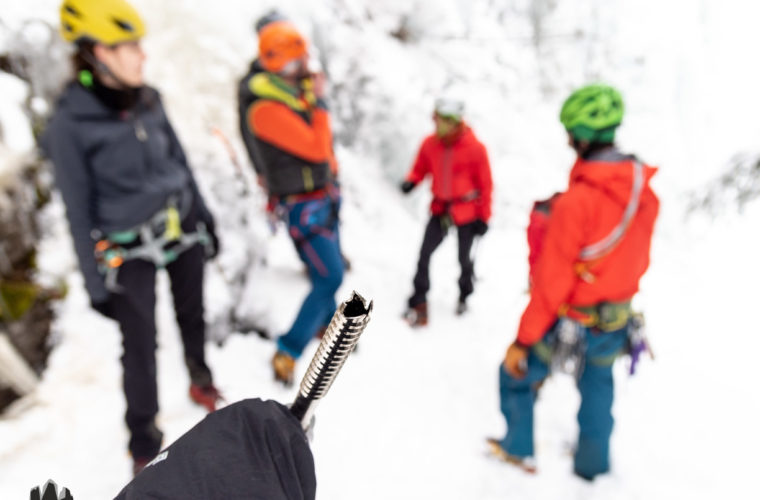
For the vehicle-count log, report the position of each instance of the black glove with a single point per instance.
(480, 226)
(103, 307)
(212, 250)
(407, 186)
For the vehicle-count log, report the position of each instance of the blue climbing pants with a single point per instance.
(594, 416)
(313, 226)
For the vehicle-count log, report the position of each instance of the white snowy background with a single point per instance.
(409, 414)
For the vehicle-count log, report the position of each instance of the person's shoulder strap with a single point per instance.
(606, 244)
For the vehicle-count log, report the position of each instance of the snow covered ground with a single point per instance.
(408, 416)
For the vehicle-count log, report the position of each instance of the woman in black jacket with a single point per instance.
(132, 203)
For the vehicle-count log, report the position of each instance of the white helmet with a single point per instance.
(450, 107)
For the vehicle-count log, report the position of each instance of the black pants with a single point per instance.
(436, 230)
(134, 309)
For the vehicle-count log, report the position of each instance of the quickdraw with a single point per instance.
(563, 349)
(638, 343)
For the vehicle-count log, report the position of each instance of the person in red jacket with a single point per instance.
(462, 186)
(594, 251)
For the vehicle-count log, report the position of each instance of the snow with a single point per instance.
(15, 132)
(409, 413)
(17, 138)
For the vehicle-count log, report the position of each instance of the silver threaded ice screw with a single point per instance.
(339, 340)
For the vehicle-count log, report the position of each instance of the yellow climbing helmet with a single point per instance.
(104, 21)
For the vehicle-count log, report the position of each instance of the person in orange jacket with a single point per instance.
(594, 252)
(288, 120)
(462, 187)
(315, 81)
(246, 96)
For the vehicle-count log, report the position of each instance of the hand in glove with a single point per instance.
(212, 250)
(212, 247)
(407, 186)
(516, 360)
(103, 307)
(481, 227)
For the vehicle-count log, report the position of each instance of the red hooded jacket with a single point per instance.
(462, 184)
(594, 204)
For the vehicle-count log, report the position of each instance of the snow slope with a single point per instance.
(408, 416)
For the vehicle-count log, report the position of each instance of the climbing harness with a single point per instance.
(564, 347)
(160, 240)
(604, 317)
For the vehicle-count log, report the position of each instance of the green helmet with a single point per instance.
(592, 113)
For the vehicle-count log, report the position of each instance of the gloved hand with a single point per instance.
(407, 186)
(481, 227)
(103, 307)
(516, 360)
(319, 82)
(213, 249)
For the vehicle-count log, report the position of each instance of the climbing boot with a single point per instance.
(205, 395)
(417, 316)
(284, 366)
(461, 307)
(495, 450)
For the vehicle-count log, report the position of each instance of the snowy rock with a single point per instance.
(14, 123)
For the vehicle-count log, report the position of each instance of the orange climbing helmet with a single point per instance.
(279, 44)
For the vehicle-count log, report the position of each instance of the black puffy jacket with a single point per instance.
(115, 169)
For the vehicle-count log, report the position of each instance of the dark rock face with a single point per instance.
(25, 182)
(25, 306)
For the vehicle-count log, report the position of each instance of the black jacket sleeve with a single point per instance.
(75, 184)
